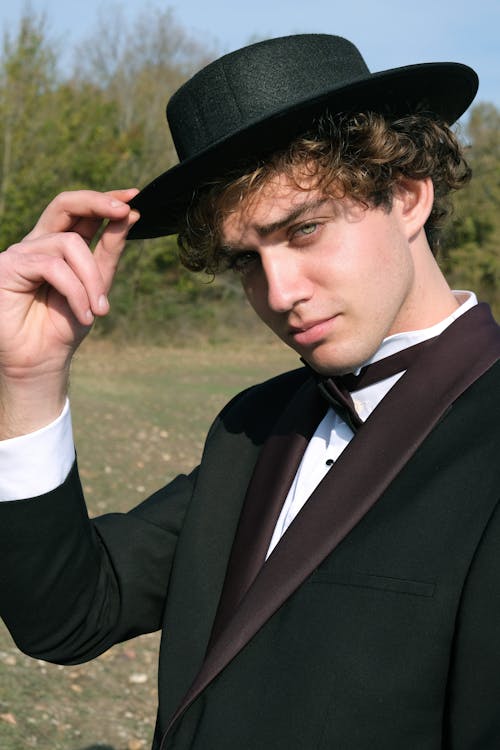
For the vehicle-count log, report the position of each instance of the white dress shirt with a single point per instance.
(333, 434)
(34, 464)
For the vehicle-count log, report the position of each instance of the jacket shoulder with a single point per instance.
(256, 408)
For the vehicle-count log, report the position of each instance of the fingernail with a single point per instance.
(89, 317)
(102, 303)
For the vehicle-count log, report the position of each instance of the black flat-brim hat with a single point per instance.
(255, 100)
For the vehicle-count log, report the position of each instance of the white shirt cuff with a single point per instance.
(31, 465)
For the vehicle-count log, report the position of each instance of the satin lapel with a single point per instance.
(273, 475)
(388, 439)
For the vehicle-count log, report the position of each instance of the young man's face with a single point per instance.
(329, 277)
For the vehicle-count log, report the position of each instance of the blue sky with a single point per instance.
(389, 33)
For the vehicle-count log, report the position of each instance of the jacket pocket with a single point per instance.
(368, 580)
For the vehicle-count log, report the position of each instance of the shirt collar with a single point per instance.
(399, 341)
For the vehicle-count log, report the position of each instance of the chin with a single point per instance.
(329, 366)
(336, 362)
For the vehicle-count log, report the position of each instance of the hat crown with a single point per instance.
(257, 82)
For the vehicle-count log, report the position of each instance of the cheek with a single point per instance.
(374, 275)
(256, 294)
(392, 279)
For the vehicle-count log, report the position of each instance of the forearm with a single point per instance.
(59, 592)
(50, 572)
(31, 402)
(69, 587)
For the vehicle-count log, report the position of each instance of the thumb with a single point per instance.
(110, 246)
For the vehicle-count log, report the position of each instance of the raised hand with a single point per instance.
(51, 287)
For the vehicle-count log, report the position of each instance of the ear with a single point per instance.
(414, 200)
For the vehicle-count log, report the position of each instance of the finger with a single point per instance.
(109, 249)
(88, 228)
(67, 248)
(42, 273)
(84, 208)
(95, 271)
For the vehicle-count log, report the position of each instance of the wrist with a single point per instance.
(29, 403)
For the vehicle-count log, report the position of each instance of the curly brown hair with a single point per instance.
(363, 156)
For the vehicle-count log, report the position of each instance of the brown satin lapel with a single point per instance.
(273, 475)
(382, 447)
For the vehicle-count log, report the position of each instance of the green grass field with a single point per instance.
(140, 415)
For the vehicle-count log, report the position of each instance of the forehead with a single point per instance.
(278, 201)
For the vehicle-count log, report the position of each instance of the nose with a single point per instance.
(286, 281)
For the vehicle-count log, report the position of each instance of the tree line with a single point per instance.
(100, 123)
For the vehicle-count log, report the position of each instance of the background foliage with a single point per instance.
(101, 125)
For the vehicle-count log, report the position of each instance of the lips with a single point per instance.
(311, 332)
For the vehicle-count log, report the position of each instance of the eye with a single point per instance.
(242, 262)
(305, 230)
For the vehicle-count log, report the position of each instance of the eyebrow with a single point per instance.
(266, 229)
(226, 249)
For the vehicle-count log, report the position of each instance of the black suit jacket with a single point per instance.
(375, 623)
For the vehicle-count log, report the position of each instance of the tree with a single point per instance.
(472, 254)
(26, 76)
(55, 134)
(138, 65)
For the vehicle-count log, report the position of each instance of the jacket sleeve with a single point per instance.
(473, 715)
(70, 587)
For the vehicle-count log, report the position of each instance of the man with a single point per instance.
(328, 576)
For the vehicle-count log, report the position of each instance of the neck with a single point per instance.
(431, 300)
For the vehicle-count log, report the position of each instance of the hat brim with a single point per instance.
(446, 89)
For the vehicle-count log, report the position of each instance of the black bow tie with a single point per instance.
(337, 389)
